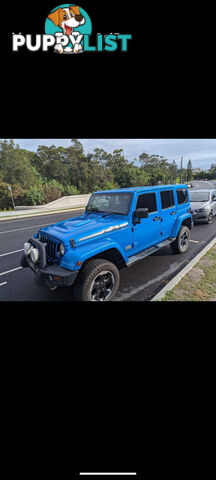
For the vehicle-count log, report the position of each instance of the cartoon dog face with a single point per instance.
(67, 18)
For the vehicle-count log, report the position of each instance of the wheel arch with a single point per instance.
(111, 254)
(185, 220)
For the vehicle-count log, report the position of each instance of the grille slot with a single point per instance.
(51, 248)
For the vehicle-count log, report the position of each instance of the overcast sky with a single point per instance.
(202, 152)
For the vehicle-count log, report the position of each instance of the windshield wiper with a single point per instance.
(113, 213)
(93, 210)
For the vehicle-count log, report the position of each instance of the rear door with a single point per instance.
(168, 212)
(147, 232)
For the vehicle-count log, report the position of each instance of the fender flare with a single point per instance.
(179, 222)
(98, 247)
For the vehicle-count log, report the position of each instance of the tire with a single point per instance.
(24, 262)
(210, 217)
(181, 244)
(97, 281)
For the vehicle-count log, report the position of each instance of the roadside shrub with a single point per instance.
(34, 196)
(52, 190)
(5, 196)
(19, 194)
(71, 190)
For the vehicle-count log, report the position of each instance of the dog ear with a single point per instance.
(54, 16)
(75, 10)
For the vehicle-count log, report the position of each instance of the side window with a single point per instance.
(182, 195)
(167, 199)
(213, 194)
(147, 200)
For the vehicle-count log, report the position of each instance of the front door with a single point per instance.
(147, 232)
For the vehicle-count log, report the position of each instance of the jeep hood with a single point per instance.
(84, 227)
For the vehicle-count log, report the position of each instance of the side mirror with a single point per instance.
(140, 213)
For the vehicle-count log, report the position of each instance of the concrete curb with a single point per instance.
(183, 272)
(39, 214)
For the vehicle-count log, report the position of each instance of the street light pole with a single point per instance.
(10, 189)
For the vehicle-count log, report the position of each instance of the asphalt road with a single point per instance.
(138, 283)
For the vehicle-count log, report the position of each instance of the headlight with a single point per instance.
(27, 248)
(201, 210)
(61, 249)
(35, 255)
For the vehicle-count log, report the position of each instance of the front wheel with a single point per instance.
(181, 244)
(24, 262)
(210, 217)
(98, 281)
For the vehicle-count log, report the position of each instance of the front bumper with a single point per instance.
(49, 275)
(200, 217)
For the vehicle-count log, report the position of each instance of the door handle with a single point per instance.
(156, 218)
(173, 213)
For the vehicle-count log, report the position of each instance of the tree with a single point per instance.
(15, 165)
(51, 162)
(189, 171)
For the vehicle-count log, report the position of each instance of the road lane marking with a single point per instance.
(10, 253)
(109, 474)
(9, 271)
(4, 283)
(194, 241)
(26, 228)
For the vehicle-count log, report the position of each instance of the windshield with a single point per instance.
(199, 196)
(118, 203)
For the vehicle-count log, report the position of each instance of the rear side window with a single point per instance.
(167, 199)
(147, 200)
(182, 195)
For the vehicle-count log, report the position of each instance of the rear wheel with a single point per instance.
(98, 281)
(181, 244)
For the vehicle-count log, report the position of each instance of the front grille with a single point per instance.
(51, 248)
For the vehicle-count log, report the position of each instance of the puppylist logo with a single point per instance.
(68, 30)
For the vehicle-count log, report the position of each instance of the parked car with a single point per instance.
(117, 229)
(203, 205)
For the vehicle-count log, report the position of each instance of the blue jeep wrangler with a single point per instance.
(117, 229)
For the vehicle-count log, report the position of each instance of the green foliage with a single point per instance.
(70, 190)
(34, 196)
(15, 165)
(52, 190)
(5, 195)
(52, 172)
(189, 171)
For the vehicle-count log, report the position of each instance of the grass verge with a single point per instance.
(199, 284)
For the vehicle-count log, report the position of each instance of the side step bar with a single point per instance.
(149, 251)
